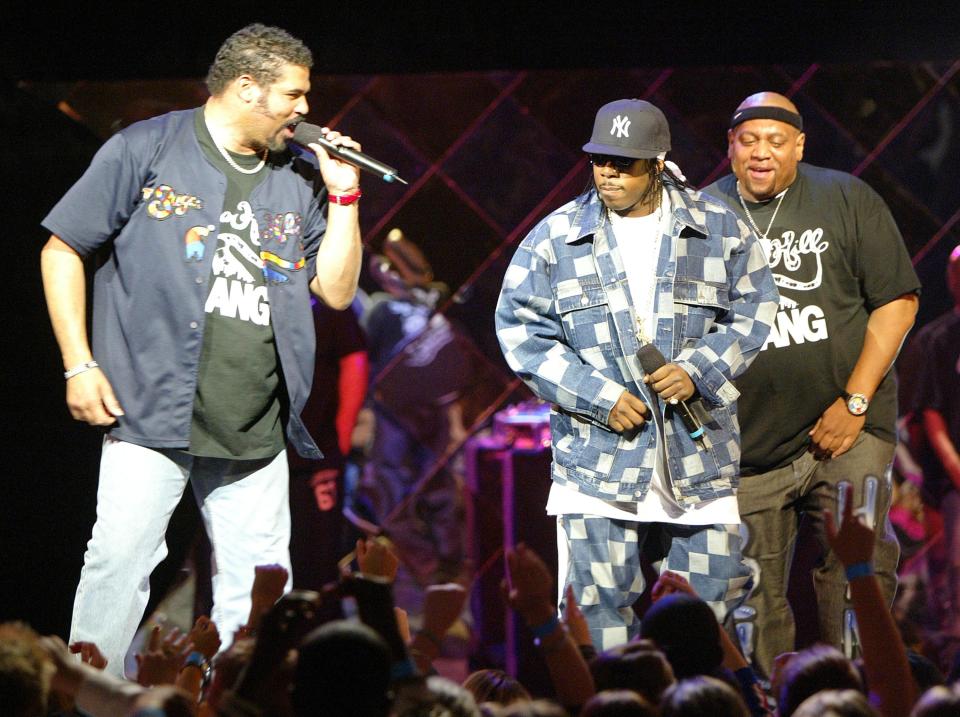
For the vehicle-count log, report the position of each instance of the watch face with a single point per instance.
(857, 404)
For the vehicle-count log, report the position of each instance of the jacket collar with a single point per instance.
(590, 215)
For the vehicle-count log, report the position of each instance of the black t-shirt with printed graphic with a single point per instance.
(238, 411)
(836, 255)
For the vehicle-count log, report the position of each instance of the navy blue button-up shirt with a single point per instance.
(152, 201)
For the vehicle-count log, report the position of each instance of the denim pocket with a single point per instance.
(581, 445)
(699, 303)
(585, 317)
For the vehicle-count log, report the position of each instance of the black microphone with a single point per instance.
(305, 133)
(651, 359)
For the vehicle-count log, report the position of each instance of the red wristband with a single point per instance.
(345, 199)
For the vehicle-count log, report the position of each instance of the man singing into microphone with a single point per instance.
(639, 259)
(214, 232)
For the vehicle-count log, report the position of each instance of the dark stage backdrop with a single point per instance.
(487, 154)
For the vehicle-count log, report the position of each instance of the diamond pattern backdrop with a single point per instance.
(488, 154)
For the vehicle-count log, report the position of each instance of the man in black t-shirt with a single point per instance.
(935, 405)
(818, 405)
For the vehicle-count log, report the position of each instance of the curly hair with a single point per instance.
(257, 50)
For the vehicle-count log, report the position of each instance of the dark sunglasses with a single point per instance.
(619, 163)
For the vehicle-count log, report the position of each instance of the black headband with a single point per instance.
(766, 112)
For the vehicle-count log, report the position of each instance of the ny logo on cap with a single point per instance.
(621, 126)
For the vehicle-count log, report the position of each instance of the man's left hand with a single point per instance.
(340, 177)
(835, 431)
(671, 383)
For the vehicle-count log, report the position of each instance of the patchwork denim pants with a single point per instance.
(245, 512)
(770, 506)
(602, 559)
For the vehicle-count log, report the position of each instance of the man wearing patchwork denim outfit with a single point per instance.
(639, 259)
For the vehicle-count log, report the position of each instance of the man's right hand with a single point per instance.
(90, 398)
(628, 413)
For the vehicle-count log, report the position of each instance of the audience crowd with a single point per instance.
(348, 651)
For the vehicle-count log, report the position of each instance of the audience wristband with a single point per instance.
(70, 373)
(858, 570)
(541, 631)
(197, 659)
(345, 199)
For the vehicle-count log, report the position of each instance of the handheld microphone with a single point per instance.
(651, 359)
(305, 133)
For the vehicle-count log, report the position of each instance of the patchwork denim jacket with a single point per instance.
(566, 324)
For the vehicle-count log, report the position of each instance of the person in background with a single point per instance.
(340, 375)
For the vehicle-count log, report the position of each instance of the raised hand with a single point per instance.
(160, 663)
(442, 606)
(205, 637)
(529, 585)
(89, 653)
(375, 557)
(269, 582)
(852, 541)
(669, 583)
(68, 674)
(574, 620)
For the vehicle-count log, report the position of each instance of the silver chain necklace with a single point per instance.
(750, 216)
(230, 160)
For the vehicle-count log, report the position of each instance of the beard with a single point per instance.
(275, 142)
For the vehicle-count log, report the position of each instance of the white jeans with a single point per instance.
(245, 512)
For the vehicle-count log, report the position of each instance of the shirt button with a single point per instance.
(194, 324)
(198, 280)
(584, 301)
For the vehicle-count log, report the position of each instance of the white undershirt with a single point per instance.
(638, 241)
